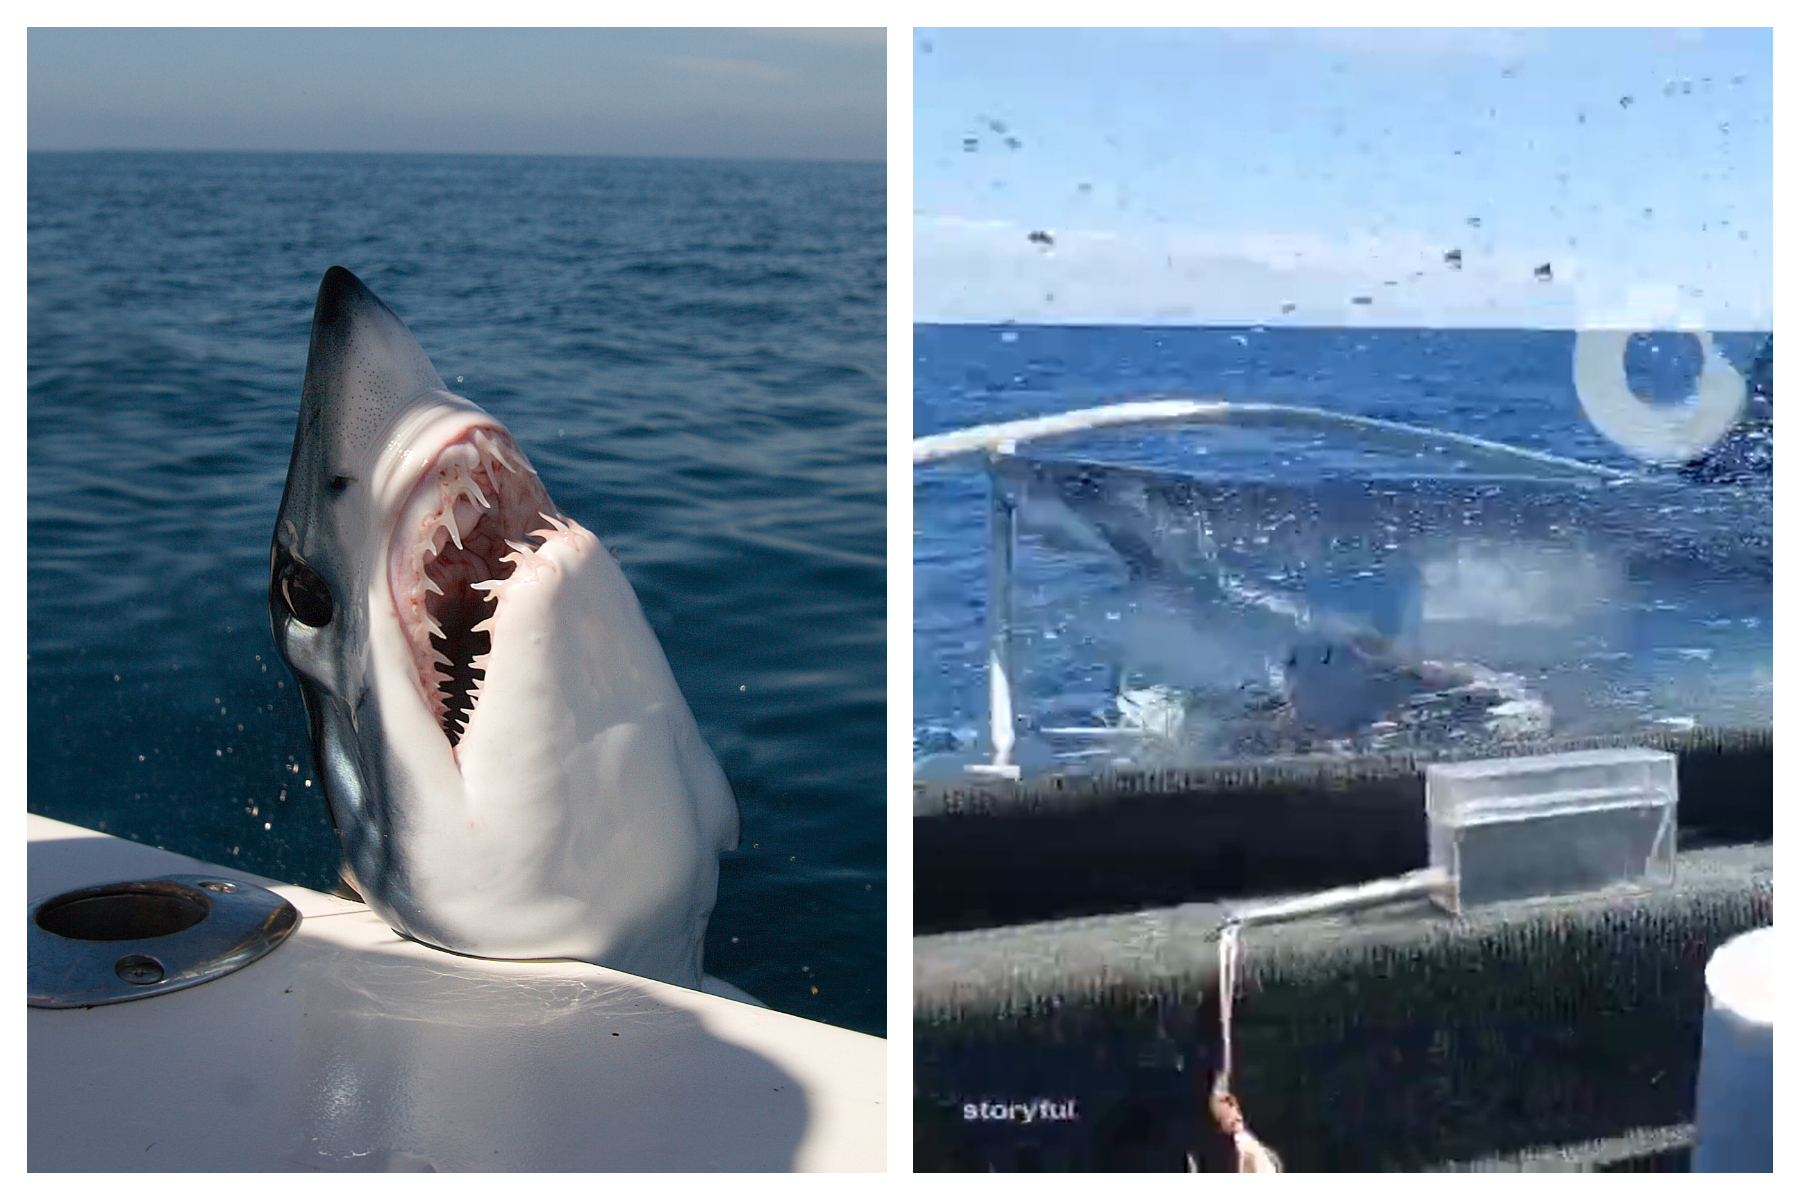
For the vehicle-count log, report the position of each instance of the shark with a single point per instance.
(510, 766)
(1431, 606)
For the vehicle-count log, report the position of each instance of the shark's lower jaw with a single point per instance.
(460, 539)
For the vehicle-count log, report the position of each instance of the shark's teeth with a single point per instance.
(503, 453)
(464, 486)
(493, 448)
(490, 455)
(478, 498)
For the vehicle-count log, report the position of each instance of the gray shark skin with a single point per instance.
(508, 761)
(1388, 589)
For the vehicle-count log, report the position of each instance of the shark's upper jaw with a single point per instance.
(462, 534)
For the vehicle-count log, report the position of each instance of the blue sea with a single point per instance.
(691, 353)
(1111, 631)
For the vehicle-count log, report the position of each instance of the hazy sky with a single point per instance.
(1216, 176)
(817, 94)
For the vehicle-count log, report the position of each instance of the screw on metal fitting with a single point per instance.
(139, 969)
(124, 941)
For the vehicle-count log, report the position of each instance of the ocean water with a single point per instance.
(1114, 564)
(691, 353)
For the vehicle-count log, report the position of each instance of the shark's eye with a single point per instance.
(302, 592)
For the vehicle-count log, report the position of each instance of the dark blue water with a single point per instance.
(1698, 647)
(691, 353)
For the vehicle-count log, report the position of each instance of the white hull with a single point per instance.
(350, 1048)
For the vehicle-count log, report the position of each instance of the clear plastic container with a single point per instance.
(1551, 825)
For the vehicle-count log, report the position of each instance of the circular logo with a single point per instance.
(1659, 433)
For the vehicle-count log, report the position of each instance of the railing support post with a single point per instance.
(1002, 531)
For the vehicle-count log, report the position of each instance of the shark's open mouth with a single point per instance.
(461, 535)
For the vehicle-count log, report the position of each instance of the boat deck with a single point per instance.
(350, 1048)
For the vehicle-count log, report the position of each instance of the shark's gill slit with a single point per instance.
(468, 515)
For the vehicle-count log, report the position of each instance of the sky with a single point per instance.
(792, 93)
(1239, 176)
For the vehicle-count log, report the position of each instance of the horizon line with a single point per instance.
(464, 154)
